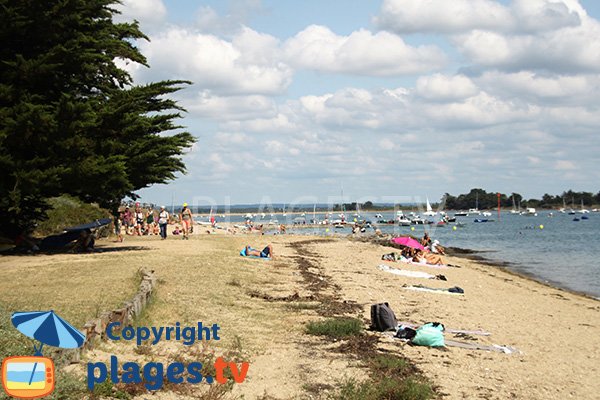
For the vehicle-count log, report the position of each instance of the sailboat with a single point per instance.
(314, 218)
(429, 212)
(572, 211)
(284, 213)
(475, 211)
(583, 210)
(514, 209)
(564, 207)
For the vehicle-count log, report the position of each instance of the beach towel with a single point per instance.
(420, 288)
(466, 332)
(410, 274)
(475, 346)
(423, 264)
(243, 254)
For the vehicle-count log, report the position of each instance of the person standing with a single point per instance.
(163, 220)
(186, 218)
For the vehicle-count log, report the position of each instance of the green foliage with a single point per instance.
(485, 200)
(70, 120)
(68, 211)
(335, 327)
(384, 389)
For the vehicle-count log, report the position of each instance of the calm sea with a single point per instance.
(563, 253)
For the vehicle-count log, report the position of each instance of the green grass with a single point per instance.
(335, 327)
(383, 389)
(68, 211)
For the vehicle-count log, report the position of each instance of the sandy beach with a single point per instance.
(263, 307)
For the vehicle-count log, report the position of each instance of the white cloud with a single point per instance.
(227, 108)
(459, 16)
(564, 165)
(439, 87)
(148, 12)
(361, 52)
(246, 65)
(409, 16)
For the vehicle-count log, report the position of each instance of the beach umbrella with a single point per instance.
(408, 242)
(48, 328)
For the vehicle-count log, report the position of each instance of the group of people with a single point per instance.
(141, 222)
(432, 253)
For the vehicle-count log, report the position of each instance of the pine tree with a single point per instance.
(71, 121)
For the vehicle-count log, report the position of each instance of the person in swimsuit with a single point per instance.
(267, 252)
(185, 216)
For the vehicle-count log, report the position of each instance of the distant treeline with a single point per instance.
(475, 198)
(489, 200)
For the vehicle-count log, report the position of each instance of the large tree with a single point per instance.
(71, 120)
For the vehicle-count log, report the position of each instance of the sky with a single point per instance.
(299, 101)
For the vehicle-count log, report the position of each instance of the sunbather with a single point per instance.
(267, 252)
(428, 258)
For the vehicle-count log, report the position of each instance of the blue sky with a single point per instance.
(391, 98)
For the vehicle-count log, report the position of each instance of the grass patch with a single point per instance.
(383, 389)
(302, 306)
(391, 378)
(68, 211)
(340, 327)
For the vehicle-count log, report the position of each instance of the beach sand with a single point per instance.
(264, 306)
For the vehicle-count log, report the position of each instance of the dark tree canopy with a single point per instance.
(71, 121)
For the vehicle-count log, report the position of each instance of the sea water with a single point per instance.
(550, 247)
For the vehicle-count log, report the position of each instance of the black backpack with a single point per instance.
(383, 318)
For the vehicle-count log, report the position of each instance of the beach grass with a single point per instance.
(339, 327)
(77, 287)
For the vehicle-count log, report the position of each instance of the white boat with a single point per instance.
(417, 220)
(514, 209)
(473, 211)
(529, 212)
(563, 210)
(429, 212)
(583, 210)
(378, 216)
(461, 214)
(486, 214)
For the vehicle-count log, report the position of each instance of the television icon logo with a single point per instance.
(28, 377)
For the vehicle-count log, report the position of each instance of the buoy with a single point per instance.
(327, 230)
(541, 226)
(412, 228)
(453, 228)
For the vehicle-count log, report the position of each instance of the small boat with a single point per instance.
(529, 212)
(429, 212)
(441, 223)
(461, 214)
(514, 208)
(576, 219)
(417, 220)
(585, 217)
(481, 220)
(486, 214)
(583, 210)
(474, 211)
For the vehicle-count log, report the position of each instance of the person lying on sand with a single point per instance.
(428, 258)
(267, 252)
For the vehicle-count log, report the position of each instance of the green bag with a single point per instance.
(430, 334)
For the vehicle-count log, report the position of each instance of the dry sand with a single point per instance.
(204, 279)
